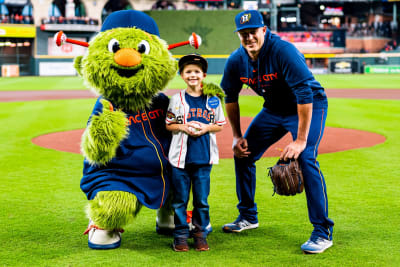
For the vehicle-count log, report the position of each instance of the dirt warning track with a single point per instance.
(334, 140)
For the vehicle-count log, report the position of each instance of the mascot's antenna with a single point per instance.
(60, 38)
(194, 40)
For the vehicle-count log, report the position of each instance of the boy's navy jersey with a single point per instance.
(180, 112)
(198, 147)
(141, 165)
(280, 75)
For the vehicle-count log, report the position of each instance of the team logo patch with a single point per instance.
(170, 115)
(213, 102)
(245, 18)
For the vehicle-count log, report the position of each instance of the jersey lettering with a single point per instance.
(179, 119)
(265, 77)
(197, 113)
(211, 117)
(142, 116)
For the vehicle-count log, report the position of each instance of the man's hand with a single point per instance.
(240, 148)
(293, 150)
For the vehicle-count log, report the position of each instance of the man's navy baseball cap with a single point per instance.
(249, 19)
(130, 18)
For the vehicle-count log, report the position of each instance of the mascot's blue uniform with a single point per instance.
(141, 165)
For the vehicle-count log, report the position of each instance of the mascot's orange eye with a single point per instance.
(113, 45)
(144, 47)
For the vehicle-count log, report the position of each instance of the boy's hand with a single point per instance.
(197, 128)
(193, 128)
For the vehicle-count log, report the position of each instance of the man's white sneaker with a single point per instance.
(316, 245)
(102, 239)
(238, 226)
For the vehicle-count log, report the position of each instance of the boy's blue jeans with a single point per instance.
(199, 177)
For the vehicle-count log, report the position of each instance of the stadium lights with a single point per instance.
(10, 44)
(288, 19)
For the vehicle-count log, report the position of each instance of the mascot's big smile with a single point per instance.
(127, 73)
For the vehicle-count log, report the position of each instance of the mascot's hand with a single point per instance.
(103, 135)
(77, 64)
(107, 106)
(212, 89)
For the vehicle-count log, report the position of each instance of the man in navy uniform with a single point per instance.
(293, 102)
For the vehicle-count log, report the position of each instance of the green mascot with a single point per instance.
(125, 143)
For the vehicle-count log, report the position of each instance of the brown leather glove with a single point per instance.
(287, 178)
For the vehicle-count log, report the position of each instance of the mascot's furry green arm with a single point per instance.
(104, 134)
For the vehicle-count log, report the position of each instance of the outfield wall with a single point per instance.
(216, 29)
(318, 64)
(363, 63)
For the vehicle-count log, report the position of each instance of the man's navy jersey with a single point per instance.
(141, 164)
(280, 75)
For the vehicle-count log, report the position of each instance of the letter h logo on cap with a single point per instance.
(245, 18)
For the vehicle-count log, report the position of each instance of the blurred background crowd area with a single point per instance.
(326, 28)
(359, 17)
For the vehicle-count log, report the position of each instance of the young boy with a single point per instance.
(194, 116)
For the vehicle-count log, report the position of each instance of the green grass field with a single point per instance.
(42, 208)
(338, 81)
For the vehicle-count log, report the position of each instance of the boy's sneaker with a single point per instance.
(200, 244)
(192, 229)
(180, 244)
(102, 239)
(165, 224)
(238, 226)
(316, 245)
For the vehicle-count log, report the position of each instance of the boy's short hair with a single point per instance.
(195, 59)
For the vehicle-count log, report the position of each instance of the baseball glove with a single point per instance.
(287, 178)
